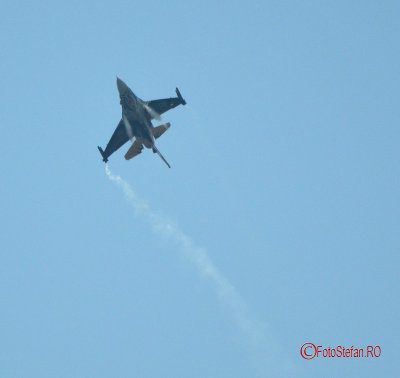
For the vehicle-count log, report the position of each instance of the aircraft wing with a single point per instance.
(119, 138)
(164, 104)
(135, 149)
(161, 106)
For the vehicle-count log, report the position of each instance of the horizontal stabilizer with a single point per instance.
(160, 130)
(135, 149)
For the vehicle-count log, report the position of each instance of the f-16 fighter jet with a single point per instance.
(135, 124)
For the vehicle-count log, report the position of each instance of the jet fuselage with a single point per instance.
(135, 116)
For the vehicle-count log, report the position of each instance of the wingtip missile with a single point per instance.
(183, 102)
(102, 154)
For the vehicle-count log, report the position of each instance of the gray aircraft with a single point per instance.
(136, 123)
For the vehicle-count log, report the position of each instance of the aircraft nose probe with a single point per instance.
(121, 86)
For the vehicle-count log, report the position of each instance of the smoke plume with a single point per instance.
(253, 330)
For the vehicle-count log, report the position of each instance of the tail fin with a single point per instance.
(159, 154)
(102, 154)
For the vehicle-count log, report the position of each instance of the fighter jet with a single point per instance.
(136, 125)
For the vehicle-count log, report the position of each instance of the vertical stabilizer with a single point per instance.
(159, 154)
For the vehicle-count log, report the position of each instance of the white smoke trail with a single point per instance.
(254, 330)
(128, 127)
(152, 112)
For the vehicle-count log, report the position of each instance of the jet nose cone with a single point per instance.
(122, 87)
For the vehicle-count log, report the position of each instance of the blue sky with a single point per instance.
(285, 174)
